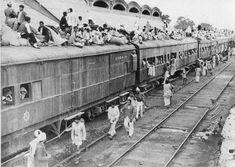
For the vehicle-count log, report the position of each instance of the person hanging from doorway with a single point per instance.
(167, 94)
(113, 116)
(129, 117)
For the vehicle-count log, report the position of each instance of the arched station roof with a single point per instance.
(146, 10)
(156, 12)
(134, 7)
(129, 6)
(101, 3)
(120, 5)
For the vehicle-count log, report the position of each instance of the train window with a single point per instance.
(173, 55)
(151, 60)
(37, 90)
(160, 60)
(25, 92)
(8, 96)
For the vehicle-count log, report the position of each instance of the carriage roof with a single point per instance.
(165, 43)
(21, 55)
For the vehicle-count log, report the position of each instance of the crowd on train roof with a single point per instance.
(75, 31)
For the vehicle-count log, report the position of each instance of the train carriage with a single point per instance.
(157, 53)
(41, 87)
(44, 87)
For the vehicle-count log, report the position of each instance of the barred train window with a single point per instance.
(8, 97)
(160, 60)
(25, 92)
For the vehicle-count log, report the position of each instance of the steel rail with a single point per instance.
(166, 118)
(194, 128)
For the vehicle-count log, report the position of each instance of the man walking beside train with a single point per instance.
(139, 104)
(78, 132)
(129, 117)
(113, 116)
(198, 71)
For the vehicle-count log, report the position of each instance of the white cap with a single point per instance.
(42, 137)
(137, 89)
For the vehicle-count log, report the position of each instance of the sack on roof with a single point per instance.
(118, 41)
(10, 37)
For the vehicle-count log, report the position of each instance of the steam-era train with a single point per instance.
(44, 87)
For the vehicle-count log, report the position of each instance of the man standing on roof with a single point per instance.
(78, 132)
(129, 117)
(113, 116)
(63, 22)
(71, 18)
(21, 15)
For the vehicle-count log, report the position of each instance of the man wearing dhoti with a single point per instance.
(213, 61)
(198, 72)
(167, 93)
(78, 132)
(113, 116)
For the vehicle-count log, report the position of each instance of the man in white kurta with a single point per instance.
(198, 72)
(213, 61)
(113, 116)
(78, 132)
(167, 93)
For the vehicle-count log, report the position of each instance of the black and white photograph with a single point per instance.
(117, 83)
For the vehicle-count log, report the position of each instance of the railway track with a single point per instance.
(162, 143)
(69, 160)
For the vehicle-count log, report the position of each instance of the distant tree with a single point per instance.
(166, 18)
(206, 26)
(183, 23)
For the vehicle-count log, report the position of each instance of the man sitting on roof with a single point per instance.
(27, 32)
(76, 39)
(44, 32)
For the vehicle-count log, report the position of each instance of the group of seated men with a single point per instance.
(75, 32)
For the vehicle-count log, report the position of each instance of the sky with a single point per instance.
(219, 13)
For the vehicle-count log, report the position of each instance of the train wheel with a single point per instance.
(89, 115)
